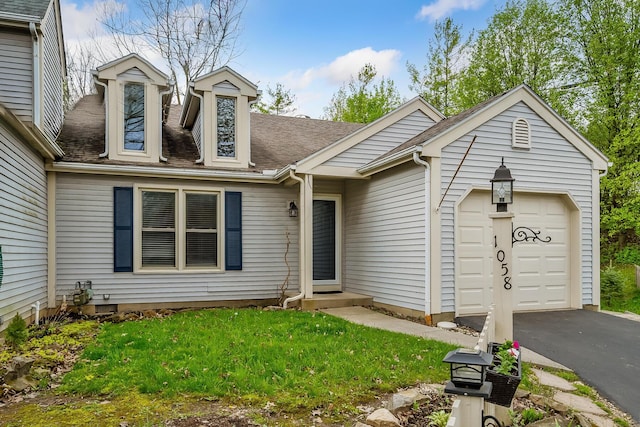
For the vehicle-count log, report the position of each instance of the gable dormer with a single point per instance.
(136, 96)
(216, 109)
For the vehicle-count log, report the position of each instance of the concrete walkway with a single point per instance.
(374, 319)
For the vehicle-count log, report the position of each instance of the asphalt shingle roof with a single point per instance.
(276, 141)
(25, 7)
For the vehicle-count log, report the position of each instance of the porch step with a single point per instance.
(336, 300)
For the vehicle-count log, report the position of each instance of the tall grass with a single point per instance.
(293, 359)
(625, 295)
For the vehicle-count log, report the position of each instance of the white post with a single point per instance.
(503, 275)
(470, 411)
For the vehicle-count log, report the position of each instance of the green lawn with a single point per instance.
(296, 360)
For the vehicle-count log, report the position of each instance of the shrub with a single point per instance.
(611, 285)
(628, 255)
(16, 333)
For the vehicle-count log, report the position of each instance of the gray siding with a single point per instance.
(84, 209)
(16, 74)
(383, 141)
(23, 227)
(552, 164)
(52, 78)
(196, 131)
(385, 237)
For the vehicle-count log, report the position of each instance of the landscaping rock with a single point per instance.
(590, 420)
(404, 399)
(555, 421)
(17, 375)
(554, 381)
(382, 418)
(578, 403)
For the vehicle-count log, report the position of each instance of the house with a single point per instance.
(32, 72)
(207, 204)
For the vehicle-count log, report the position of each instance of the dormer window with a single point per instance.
(136, 98)
(216, 111)
(134, 116)
(226, 130)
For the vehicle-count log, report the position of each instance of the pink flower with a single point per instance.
(516, 345)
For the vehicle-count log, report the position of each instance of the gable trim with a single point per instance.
(319, 157)
(523, 94)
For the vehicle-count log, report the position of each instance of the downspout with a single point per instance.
(427, 232)
(162, 93)
(37, 82)
(286, 302)
(252, 164)
(106, 121)
(201, 98)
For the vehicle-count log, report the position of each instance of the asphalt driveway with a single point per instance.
(604, 350)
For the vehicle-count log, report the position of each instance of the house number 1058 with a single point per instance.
(501, 257)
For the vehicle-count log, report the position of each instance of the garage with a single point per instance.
(543, 266)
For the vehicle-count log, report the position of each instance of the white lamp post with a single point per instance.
(502, 196)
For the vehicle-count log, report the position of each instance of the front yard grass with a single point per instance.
(290, 361)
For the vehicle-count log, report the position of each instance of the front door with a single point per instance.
(326, 243)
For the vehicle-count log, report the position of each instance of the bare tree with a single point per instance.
(192, 36)
(80, 61)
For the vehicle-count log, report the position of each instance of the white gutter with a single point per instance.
(427, 229)
(252, 164)
(106, 121)
(379, 163)
(606, 171)
(160, 172)
(37, 81)
(162, 93)
(201, 98)
(286, 302)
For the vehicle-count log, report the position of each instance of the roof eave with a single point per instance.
(32, 135)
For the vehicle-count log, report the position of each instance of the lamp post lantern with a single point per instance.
(502, 188)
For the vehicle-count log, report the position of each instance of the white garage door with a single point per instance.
(541, 279)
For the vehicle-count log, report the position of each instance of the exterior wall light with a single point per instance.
(502, 188)
(293, 209)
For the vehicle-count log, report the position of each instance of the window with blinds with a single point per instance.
(159, 229)
(201, 230)
(179, 229)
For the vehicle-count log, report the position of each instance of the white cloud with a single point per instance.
(441, 8)
(343, 67)
(80, 22)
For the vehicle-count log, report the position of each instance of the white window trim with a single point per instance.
(180, 192)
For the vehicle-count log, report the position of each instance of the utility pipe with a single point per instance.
(37, 307)
(106, 122)
(427, 230)
(201, 98)
(301, 238)
(162, 93)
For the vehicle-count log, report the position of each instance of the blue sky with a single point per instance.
(313, 47)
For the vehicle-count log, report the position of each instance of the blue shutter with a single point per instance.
(233, 230)
(122, 229)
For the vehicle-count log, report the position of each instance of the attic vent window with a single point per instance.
(521, 134)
